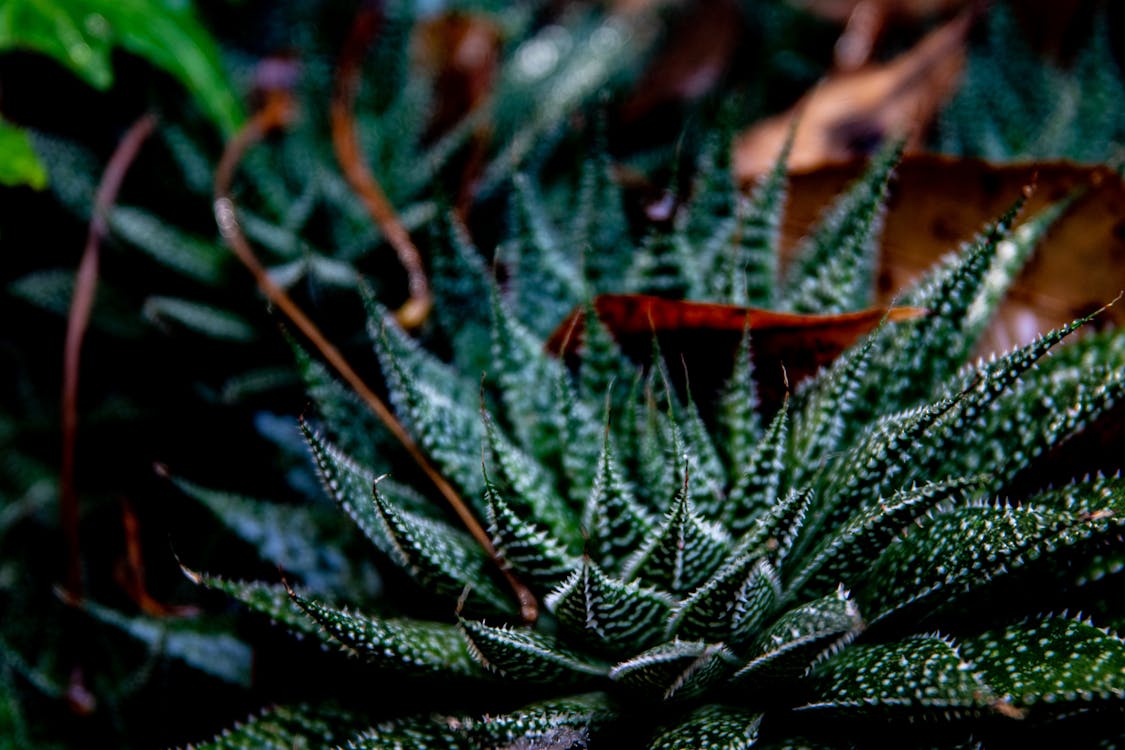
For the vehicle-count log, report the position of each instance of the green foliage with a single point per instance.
(736, 567)
(81, 35)
(1015, 103)
(18, 163)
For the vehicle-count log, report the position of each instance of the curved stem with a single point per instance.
(274, 115)
(81, 306)
(348, 154)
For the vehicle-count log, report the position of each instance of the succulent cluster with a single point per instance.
(833, 568)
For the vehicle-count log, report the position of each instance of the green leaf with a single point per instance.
(270, 599)
(202, 318)
(524, 544)
(613, 519)
(443, 560)
(407, 733)
(775, 531)
(711, 727)
(447, 429)
(608, 613)
(956, 551)
(545, 282)
(748, 272)
(683, 669)
(527, 655)
(18, 163)
(759, 479)
(731, 606)
(528, 486)
(800, 637)
(287, 728)
(845, 554)
(528, 380)
(196, 258)
(683, 553)
(905, 679)
(219, 654)
(552, 724)
(1051, 665)
(411, 646)
(834, 268)
(308, 542)
(80, 34)
(740, 426)
(908, 361)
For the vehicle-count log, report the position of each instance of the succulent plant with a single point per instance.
(846, 566)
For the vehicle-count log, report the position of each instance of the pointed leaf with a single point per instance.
(528, 384)
(799, 638)
(524, 544)
(834, 268)
(907, 679)
(270, 599)
(553, 724)
(1052, 665)
(528, 486)
(683, 553)
(731, 606)
(758, 482)
(526, 655)
(845, 554)
(441, 558)
(712, 727)
(749, 274)
(613, 519)
(740, 426)
(285, 728)
(682, 669)
(608, 613)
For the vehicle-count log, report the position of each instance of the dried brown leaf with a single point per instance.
(850, 114)
(941, 201)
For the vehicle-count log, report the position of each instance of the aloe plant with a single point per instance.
(841, 568)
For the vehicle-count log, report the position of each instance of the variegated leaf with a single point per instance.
(609, 614)
(412, 646)
(441, 558)
(1052, 665)
(801, 636)
(555, 724)
(732, 605)
(527, 655)
(286, 728)
(711, 727)
(682, 554)
(525, 545)
(614, 522)
(681, 669)
(908, 679)
(758, 482)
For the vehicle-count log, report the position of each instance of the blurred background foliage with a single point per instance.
(184, 365)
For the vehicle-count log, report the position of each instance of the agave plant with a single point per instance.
(841, 567)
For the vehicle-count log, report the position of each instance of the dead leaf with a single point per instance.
(850, 114)
(938, 202)
(706, 336)
(130, 572)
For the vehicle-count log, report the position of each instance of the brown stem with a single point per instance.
(274, 115)
(413, 313)
(81, 305)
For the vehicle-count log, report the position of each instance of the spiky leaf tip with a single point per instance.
(526, 655)
(607, 613)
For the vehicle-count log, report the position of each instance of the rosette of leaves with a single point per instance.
(846, 568)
